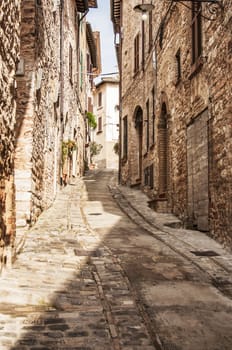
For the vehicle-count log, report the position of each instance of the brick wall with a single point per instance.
(9, 50)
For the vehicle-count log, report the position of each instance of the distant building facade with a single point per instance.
(9, 56)
(175, 123)
(106, 110)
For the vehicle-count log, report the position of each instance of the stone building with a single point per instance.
(9, 54)
(176, 110)
(81, 59)
(51, 103)
(106, 102)
(93, 70)
(43, 106)
(37, 79)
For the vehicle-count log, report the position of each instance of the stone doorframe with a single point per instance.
(163, 149)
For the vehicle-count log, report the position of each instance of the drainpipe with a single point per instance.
(120, 122)
(120, 97)
(85, 13)
(83, 112)
(61, 84)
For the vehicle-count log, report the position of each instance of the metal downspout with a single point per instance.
(61, 84)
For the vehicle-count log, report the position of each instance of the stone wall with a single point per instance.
(182, 105)
(219, 53)
(9, 52)
(47, 123)
(74, 87)
(42, 104)
(51, 104)
(38, 131)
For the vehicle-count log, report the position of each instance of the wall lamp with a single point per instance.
(144, 9)
(212, 7)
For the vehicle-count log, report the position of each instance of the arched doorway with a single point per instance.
(138, 118)
(163, 150)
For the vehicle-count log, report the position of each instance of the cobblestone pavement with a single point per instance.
(182, 279)
(66, 290)
(91, 278)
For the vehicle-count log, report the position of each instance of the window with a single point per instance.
(90, 105)
(81, 70)
(149, 176)
(88, 63)
(89, 69)
(20, 68)
(148, 126)
(161, 34)
(70, 63)
(143, 44)
(178, 66)
(150, 32)
(196, 31)
(153, 116)
(99, 124)
(125, 138)
(151, 180)
(146, 176)
(99, 99)
(136, 53)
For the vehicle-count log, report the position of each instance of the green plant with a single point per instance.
(116, 148)
(91, 120)
(67, 148)
(95, 149)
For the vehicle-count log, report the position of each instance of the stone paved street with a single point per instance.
(94, 277)
(54, 297)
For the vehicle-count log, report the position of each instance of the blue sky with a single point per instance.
(100, 21)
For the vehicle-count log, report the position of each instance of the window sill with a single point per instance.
(99, 132)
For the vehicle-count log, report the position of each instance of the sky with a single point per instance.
(100, 20)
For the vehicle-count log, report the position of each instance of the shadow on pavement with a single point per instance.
(108, 286)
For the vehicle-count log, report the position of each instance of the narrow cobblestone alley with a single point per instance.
(90, 278)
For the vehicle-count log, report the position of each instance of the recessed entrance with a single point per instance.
(163, 153)
(139, 141)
